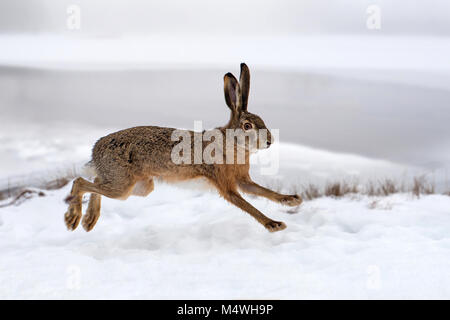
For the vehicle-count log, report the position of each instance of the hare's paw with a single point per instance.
(89, 221)
(291, 200)
(274, 226)
(72, 219)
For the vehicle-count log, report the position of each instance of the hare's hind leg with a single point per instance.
(93, 211)
(73, 215)
(112, 189)
(143, 188)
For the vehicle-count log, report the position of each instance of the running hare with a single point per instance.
(126, 162)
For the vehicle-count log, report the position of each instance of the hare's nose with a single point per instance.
(268, 143)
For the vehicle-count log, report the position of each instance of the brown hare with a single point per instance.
(126, 163)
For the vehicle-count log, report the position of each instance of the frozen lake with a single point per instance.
(384, 115)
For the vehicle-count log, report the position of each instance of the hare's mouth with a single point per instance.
(264, 145)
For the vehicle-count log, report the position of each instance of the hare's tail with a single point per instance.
(88, 170)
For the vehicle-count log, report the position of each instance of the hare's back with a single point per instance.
(134, 147)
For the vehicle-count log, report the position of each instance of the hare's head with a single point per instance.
(236, 97)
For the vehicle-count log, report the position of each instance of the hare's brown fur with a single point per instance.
(127, 161)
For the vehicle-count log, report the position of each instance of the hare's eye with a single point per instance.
(247, 126)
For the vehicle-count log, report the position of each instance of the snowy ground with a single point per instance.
(188, 244)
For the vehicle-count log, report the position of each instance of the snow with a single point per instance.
(187, 244)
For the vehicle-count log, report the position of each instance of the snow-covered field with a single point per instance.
(189, 243)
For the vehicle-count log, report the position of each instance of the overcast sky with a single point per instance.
(262, 17)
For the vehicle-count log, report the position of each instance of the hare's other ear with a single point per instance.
(244, 82)
(231, 90)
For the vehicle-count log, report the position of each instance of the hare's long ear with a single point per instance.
(244, 82)
(232, 92)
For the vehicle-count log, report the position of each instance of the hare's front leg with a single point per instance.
(250, 187)
(236, 199)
